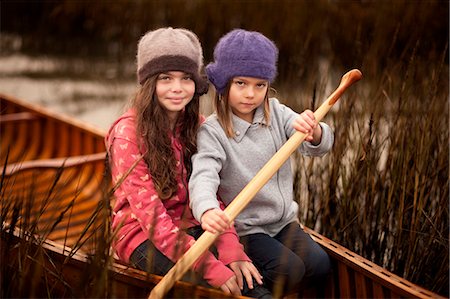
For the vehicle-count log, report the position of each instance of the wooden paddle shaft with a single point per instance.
(272, 166)
(247, 194)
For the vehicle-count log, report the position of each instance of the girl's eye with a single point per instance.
(163, 77)
(239, 83)
(187, 78)
(261, 85)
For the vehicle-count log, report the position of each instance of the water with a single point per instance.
(59, 85)
(91, 91)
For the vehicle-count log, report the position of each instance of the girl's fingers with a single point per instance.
(251, 273)
(308, 117)
(225, 289)
(215, 221)
(208, 228)
(220, 222)
(232, 286)
(256, 275)
(240, 279)
(248, 276)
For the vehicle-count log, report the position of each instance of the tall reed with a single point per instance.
(30, 218)
(383, 190)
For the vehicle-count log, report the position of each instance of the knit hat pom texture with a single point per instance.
(242, 53)
(170, 49)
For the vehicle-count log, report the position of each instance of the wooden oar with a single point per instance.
(247, 194)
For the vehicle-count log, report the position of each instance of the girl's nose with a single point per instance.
(176, 85)
(250, 92)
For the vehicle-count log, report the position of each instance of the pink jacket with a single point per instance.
(139, 213)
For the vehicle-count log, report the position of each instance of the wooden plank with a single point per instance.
(378, 290)
(345, 286)
(371, 271)
(361, 286)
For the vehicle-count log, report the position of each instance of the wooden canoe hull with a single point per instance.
(51, 266)
(54, 168)
(54, 171)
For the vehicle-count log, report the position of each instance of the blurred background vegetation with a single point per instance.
(383, 190)
(306, 32)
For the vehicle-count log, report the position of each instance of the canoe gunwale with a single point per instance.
(43, 112)
(125, 280)
(369, 269)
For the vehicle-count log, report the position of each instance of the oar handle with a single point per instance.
(247, 194)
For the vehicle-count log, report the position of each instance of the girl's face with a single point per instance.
(174, 91)
(245, 95)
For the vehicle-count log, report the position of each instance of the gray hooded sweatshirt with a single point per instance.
(223, 166)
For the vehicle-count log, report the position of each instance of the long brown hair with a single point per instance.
(153, 131)
(223, 110)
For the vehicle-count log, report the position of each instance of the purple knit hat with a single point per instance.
(171, 49)
(242, 53)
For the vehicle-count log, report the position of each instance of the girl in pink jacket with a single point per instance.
(150, 148)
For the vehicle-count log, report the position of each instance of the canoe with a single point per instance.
(53, 197)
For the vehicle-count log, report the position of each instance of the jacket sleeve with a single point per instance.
(151, 214)
(228, 246)
(287, 116)
(206, 166)
(203, 185)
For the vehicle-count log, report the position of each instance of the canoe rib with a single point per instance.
(15, 117)
(73, 161)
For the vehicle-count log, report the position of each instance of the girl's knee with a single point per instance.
(295, 271)
(291, 271)
(320, 263)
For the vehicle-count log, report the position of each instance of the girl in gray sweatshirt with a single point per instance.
(235, 142)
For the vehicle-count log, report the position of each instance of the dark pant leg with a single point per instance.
(281, 268)
(287, 258)
(147, 258)
(316, 260)
(258, 291)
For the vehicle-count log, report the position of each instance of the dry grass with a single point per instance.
(383, 190)
(28, 269)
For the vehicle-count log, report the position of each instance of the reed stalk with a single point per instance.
(383, 190)
(27, 269)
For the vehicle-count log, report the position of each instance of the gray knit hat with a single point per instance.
(169, 49)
